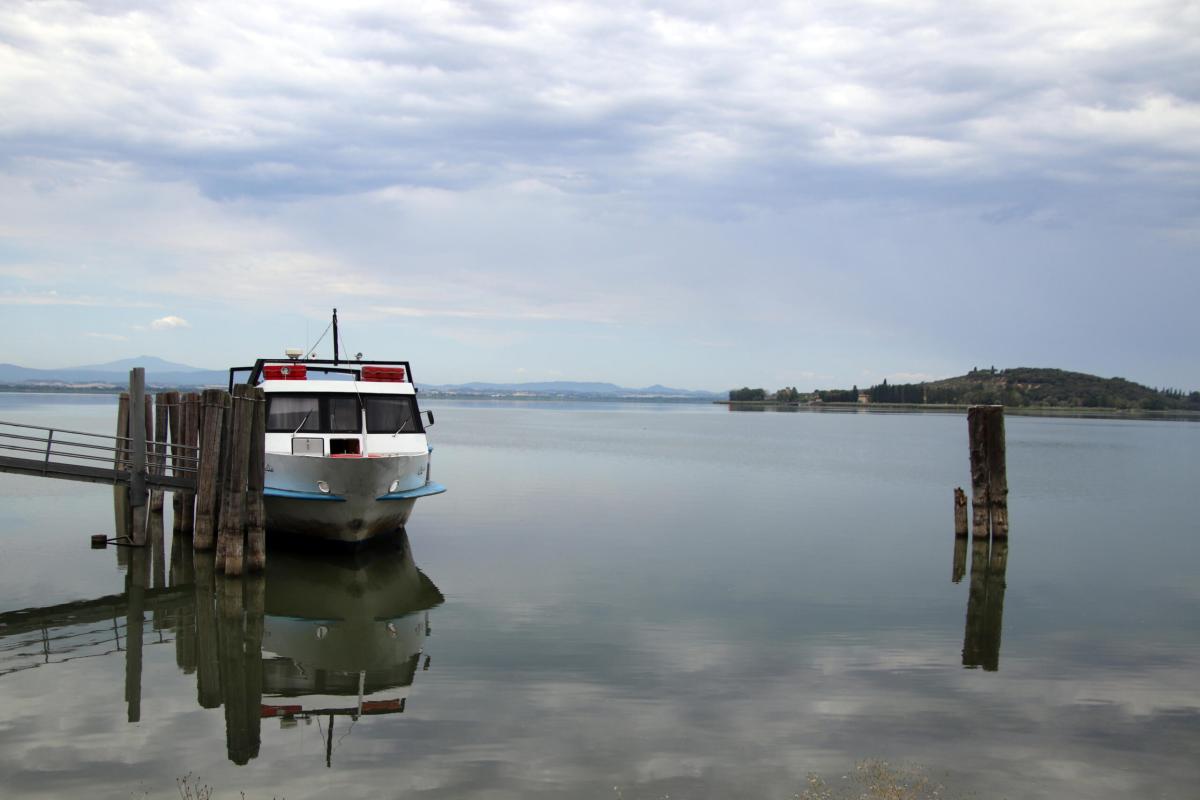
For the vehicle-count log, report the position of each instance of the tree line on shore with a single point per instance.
(1017, 387)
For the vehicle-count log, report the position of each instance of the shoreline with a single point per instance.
(949, 408)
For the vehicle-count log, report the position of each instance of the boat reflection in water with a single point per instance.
(343, 637)
(339, 635)
(317, 636)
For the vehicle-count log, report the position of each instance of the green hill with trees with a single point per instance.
(1026, 387)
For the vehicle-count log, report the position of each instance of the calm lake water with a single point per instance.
(633, 601)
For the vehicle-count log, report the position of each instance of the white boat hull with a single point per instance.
(344, 500)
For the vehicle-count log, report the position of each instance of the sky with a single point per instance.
(702, 194)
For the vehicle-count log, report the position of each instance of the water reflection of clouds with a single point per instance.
(722, 726)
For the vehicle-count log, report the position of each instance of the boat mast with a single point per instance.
(335, 337)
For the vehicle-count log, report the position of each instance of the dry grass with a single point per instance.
(875, 780)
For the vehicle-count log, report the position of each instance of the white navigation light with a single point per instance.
(323, 486)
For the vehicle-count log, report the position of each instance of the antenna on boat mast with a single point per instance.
(335, 337)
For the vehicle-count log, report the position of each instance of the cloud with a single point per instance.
(250, 101)
(112, 337)
(169, 323)
(844, 173)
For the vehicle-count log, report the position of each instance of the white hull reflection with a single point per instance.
(343, 637)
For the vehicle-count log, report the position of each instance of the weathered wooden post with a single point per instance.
(231, 541)
(256, 533)
(960, 512)
(175, 427)
(156, 539)
(191, 436)
(997, 473)
(137, 460)
(122, 446)
(977, 436)
(208, 474)
(161, 436)
(989, 474)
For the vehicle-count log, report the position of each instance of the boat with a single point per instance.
(347, 455)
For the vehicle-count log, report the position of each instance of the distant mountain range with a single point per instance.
(160, 373)
(115, 373)
(566, 389)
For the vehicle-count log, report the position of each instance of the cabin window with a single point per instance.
(318, 413)
(345, 416)
(388, 413)
(286, 413)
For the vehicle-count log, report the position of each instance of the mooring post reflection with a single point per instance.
(960, 559)
(208, 667)
(985, 604)
(233, 668)
(136, 580)
(182, 575)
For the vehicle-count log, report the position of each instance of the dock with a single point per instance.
(206, 450)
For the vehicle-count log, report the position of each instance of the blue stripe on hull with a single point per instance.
(412, 494)
(292, 494)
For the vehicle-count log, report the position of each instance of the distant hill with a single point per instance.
(1028, 386)
(160, 373)
(116, 373)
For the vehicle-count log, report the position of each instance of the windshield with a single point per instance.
(332, 413)
(391, 413)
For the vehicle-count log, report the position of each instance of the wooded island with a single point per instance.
(1019, 387)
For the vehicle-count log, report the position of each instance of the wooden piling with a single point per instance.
(256, 533)
(161, 437)
(989, 475)
(997, 474)
(175, 434)
(137, 458)
(121, 457)
(960, 512)
(191, 437)
(223, 498)
(122, 522)
(156, 539)
(231, 541)
(208, 475)
(977, 435)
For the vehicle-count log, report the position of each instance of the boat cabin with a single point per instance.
(359, 411)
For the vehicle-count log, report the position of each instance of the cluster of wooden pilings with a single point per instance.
(217, 439)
